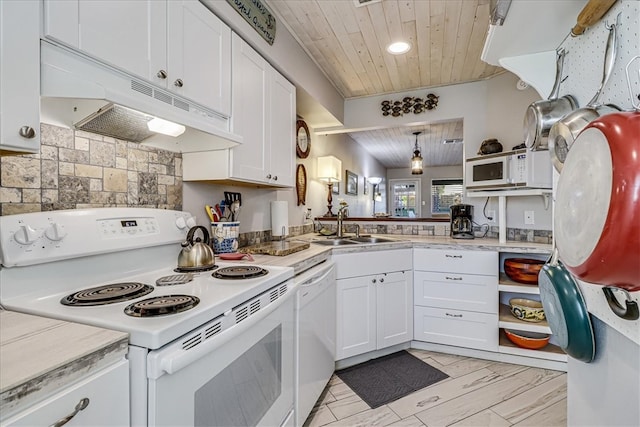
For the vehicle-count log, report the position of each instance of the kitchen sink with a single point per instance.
(339, 241)
(370, 239)
(335, 242)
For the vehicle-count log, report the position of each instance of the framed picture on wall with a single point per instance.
(335, 189)
(351, 184)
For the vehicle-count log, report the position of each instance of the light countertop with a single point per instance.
(39, 356)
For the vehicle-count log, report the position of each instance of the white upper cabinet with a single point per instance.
(264, 114)
(19, 77)
(178, 45)
(199, 55)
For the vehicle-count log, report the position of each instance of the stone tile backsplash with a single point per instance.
(76, 169)
(515, 234)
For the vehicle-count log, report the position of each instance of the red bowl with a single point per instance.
(530, 340)
(523, 270)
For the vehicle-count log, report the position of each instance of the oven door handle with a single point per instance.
(174, 358)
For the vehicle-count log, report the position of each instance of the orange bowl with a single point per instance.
(523, 270)
(530, 340)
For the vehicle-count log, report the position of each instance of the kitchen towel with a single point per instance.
(388, 378)
(279, 218)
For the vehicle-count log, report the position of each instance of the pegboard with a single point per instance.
(584, 61)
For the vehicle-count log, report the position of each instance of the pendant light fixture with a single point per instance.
(416, 161)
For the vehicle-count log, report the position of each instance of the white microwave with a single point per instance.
(511, 169)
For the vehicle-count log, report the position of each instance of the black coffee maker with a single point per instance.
(462, 222)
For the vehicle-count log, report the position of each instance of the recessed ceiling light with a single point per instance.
(398, 48)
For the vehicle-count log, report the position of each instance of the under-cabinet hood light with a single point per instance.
(165, 127)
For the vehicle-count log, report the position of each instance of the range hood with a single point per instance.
(80, 93)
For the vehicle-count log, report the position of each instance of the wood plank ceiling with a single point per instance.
(348, 42)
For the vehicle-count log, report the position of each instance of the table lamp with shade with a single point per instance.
(329, 171)
(377, 197)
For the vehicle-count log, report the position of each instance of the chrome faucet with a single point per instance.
(340, 231)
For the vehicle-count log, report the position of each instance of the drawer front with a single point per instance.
(372, 262)
(458, 291)
(456, 327)
(458, 261)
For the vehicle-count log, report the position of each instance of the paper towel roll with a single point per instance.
(279, 218)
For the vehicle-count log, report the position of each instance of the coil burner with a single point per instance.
(195, 269)
(107, 294)
(161, 305)
(239, 272)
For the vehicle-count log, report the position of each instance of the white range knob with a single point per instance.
(191, 221)
(181, 222)
(25, 235)
(55, 232)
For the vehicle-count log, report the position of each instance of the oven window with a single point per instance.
(488, 172)
(242, 393)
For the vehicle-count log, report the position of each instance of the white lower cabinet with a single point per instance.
(455, 297)
(456, 327)
(100, 399)
(374, 301)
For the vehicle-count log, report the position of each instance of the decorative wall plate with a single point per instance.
(301, 184)
(303, 139)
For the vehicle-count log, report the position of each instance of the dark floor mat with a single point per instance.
(389, 378)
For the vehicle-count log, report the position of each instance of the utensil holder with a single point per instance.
(225, 236)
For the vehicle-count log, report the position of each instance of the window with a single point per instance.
(444, 193)
(405, 197)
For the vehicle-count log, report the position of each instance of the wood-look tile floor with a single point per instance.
(477, 393)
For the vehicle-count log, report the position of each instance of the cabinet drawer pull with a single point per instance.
(27, 132)
(382, 280)
(269, 176)
(373, 280)
(452, 256)
(178, 83)
(162, 74)
(453, 315)
(275, 177)
(452, 278)
(81, 405)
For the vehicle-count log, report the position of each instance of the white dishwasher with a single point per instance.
(316, 335)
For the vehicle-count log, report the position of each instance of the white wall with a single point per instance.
(355, 159)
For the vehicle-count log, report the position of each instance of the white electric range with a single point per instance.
(190, 332)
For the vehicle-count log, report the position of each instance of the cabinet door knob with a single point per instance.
(275, 177)
(373, 280)
(162, 74)
(178, 83)
(269, 176)
(27, 132)
(81, 405)
(382, 280)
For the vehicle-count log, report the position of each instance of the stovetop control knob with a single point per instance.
(181, 222)
(25, 235)
(55, 232)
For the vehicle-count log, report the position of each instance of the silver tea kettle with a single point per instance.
(198, 254)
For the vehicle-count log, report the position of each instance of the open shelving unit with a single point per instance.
(507, 321)
(502, 203)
